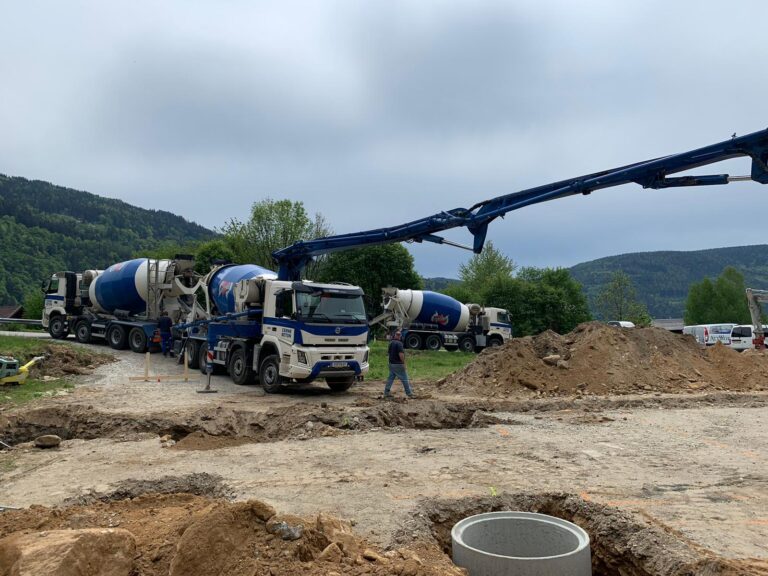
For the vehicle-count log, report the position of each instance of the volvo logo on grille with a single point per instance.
(338, 330)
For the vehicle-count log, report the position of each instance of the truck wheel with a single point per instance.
(191, 351)
(57, 327)
(340, 384)
(137, 340)
(202, 359)
(495, 342)
(433, 342)
(269, 374)
(413, 341)
(467, 344)
(117, 337)
(83, 332)
(239, 369)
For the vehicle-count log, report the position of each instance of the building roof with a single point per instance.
(671, 324)
(13, 311)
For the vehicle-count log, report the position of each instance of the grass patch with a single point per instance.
(22, 348)
(59, 358)
(422, 364)
(31, 390)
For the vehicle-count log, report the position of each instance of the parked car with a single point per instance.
(741, 336)
(621, 323)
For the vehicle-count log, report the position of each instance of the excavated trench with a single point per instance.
(219, 427)
(620, 544)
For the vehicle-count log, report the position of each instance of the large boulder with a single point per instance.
(86, 552)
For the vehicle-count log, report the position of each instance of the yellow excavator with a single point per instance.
(12, 373)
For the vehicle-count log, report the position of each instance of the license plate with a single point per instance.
(338, 364)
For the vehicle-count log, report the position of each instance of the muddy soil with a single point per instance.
(183, 534)
(600, 359)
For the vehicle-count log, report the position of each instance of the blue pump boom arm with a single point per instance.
(649, 174)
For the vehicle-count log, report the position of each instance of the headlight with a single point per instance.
(301, 356)
(365, 357)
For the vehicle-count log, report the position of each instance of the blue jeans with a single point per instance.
(166, 342)
(398, 371)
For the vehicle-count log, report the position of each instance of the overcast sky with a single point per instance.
(375, 113)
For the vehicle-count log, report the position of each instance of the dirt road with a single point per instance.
(694, 465)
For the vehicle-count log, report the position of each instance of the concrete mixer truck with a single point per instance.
(122, 303)
(431, 320)
(279, 332)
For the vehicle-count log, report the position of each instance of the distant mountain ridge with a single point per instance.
(662, 279)
(45, 228)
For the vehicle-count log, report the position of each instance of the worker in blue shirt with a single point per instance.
(397, 369)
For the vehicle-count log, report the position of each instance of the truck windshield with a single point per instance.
(330, 307)
(504, 317)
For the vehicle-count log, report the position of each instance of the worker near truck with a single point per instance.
(397, 369)
(164, 324)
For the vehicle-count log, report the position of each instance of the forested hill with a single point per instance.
(45, 228)
(662, 279)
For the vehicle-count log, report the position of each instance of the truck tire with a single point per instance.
(269, 374)
(239, 369)
(202, 359)
(117, 337)
(83, 332)
(467, 344)
(57, 327)
(191, 351)
(413, 341)
(340, 384)
(137, 340)
(495, 342)
(433, 342)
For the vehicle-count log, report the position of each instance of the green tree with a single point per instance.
(723, 300)
(483, 268)
(372, 268)
(33, 304)
(273, 224)
(618, 301)
(539, 299)
(208, 252)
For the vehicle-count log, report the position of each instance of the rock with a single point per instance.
(373, 556)
(309, 425)
(86, 552)
(286, 530)
(332, 553)
(47, 378)
(261, 510)
(563, 364)
(552, 359)
(47, 441)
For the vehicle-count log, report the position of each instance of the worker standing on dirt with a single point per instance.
(164, 324)
(397, 369)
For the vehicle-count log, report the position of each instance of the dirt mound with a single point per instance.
(185, 534)
(63, 360)
(600, 359)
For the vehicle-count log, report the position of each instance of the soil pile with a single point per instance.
(182, 534)
(600, 359)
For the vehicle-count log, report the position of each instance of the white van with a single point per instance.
(741, 336)
(621, 323)
(710, 334)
